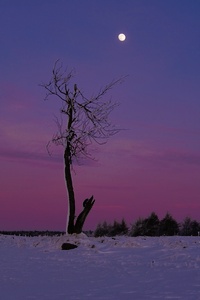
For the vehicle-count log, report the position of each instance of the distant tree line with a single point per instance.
(150, 226)
(32, 233)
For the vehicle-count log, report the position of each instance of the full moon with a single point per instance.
(121, 37)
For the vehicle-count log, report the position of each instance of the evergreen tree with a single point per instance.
(169, 226)
(195, 228)
(186, 227)
(124, 227)
(138, 228)
(152, 225)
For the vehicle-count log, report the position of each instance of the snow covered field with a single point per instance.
(100, 268)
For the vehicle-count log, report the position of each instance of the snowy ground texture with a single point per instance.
(100, 268)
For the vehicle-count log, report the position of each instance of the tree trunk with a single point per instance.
(70, 189)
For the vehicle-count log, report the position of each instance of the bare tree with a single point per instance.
(85, 120)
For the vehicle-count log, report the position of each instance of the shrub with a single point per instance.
(111, 230)
(102, 229)
(138, 228)
(190, 227)
(146, 227)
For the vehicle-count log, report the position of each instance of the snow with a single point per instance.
(100, 268)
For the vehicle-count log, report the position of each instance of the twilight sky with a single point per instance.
(153, 165)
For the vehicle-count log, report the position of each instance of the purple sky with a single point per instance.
(154, 165)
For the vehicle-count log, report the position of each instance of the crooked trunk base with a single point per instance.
(78, 227)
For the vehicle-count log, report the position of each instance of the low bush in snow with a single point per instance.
(114, 229)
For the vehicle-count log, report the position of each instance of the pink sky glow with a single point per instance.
(153, 164)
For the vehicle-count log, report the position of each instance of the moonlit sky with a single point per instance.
(152, 165)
